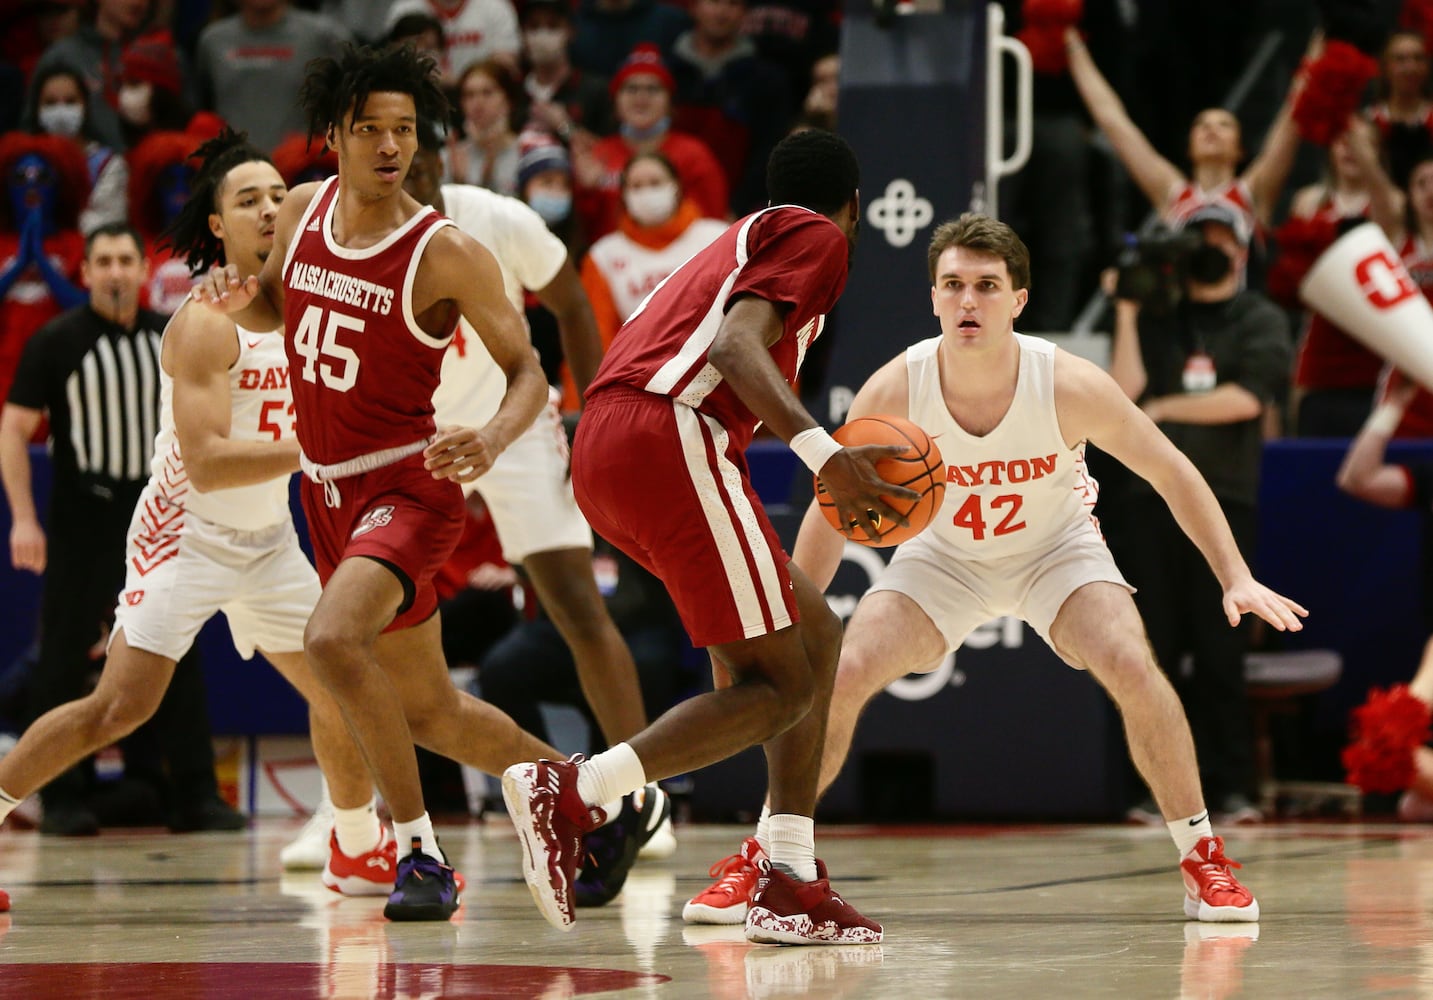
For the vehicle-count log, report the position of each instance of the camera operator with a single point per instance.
(1203, 359)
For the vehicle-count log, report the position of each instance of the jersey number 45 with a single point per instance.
(324, 357)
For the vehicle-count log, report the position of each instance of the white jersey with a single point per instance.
(1015, 489)
(529, 255)
(632, 270)
(261, 410)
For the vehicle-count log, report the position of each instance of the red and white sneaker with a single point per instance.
(786, 911)
(369, 874)
(1211, 892)
(551, 818)
(725, 901)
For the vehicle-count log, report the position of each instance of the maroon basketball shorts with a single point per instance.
(399, 515)
(664, 484)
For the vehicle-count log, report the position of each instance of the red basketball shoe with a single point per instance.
(725, 901)
(551, 819)
(785, 911)
(369, 874)
(1211, 892)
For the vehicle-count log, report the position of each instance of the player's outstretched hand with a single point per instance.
(858, 492)
(223, 290)
(1251, 596)
(461, 454)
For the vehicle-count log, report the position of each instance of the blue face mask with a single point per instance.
(552, 207)
(32, 188)
(643, 134)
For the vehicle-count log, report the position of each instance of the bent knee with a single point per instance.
(115, 718)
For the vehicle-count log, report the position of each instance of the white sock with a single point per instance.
(609, 776)
(763, 829)
(1188, 831)
(357, 829)
(8, 803)
(793, 845)
(422, 828)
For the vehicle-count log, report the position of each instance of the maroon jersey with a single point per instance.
(361, 369)
(787, 255)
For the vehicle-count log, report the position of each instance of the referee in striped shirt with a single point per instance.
(94, 372)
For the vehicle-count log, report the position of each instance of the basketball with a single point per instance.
(920, 468)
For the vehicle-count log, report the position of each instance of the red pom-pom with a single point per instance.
(1046, 43)
(1333, 89)
(1300, 242)
(1387, 729)
(1058, 13)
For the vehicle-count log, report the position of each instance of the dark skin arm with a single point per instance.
(741, 351)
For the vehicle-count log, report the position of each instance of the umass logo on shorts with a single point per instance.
(375, 518)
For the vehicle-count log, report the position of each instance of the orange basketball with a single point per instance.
(920, 468)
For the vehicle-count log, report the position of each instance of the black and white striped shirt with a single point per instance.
(99, 384)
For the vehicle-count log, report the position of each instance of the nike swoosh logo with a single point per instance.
(253, 343)
(1200, 818)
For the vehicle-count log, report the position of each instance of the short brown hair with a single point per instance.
(986, 235)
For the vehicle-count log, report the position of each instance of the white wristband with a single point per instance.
(814, 447)
(1384, 419)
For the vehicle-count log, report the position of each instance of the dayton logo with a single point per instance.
(899, 214)
(378, 517)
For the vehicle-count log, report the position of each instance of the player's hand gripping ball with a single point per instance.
(919, 468)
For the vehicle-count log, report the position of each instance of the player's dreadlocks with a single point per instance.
(335, 86)
(815, 169)
(189, 233)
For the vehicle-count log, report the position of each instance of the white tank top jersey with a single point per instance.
(471, 386)
(262, 410)
(1015, 489)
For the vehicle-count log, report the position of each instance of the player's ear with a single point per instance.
(216, 225)
(1022, 296)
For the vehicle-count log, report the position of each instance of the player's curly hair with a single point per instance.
(334, 86)
(189, 234)
(986, 235)
(815, 169)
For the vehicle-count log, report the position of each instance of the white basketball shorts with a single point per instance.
(181, 569)
(529, 493)
(961, 594)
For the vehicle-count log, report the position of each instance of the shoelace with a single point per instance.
(731, 872)
(1216, 869)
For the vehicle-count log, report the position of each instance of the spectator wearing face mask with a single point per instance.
(151, 89)
(658, 229)
(57, 106)
(642, 90)
(545, 182)
(572, 104)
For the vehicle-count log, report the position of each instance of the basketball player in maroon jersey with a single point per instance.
(659, 470)
(369, 286)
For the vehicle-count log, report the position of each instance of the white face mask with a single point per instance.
(650, 206)
(62, 119)
(545, 45)
(134, 102)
